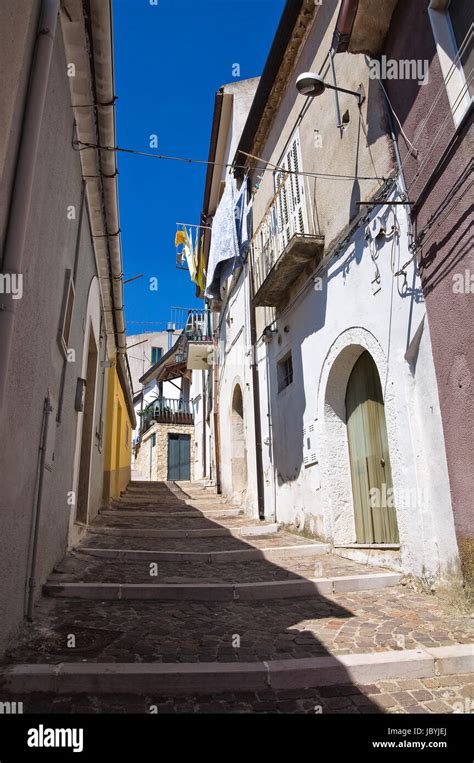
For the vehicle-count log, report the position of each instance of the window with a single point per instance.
(452, 30)
(127, 434)
(66, 313)
(285, 372)
(460, 16)
(156, 353)
(153, 440)
(291, 207)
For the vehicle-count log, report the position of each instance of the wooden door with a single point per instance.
(375, 513)
(179, 457)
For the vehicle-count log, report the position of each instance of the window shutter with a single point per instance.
(291, 201)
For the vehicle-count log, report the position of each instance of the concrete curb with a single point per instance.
(240, 532)
(272, 589)
(209, 678)
(239, 555)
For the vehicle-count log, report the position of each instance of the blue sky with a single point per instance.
(169, 61)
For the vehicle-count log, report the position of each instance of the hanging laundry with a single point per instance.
(185, 239)
(242, 210)
(179, 238)
(224, 249)
(200, 270)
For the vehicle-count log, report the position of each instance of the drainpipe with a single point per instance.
(339, 124)
(24, 176)
(217, 436)
(47, 410)
(256, 399)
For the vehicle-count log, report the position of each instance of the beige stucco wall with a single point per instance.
(362, 148)
(159, 458)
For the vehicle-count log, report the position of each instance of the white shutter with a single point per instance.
(291, 204)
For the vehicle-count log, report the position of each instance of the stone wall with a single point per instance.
(159, 456)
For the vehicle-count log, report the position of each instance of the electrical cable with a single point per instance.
(83, 146)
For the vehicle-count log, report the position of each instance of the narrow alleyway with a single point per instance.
(178, 602)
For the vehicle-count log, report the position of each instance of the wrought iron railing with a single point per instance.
(285, 217)
(194, 322)
(166, 410)
(198, 326)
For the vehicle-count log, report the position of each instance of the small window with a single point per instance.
(153, 440)
(127, 434)
(66, 313)
(285, 372)
(156, 353)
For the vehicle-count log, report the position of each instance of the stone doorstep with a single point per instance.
(209, 678)
(240, 532)
(126, 513)
(271, 589)
(247, 554)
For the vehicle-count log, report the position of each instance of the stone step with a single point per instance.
(214, 677)
(279, 589)
(191, 543)
(169, 506)
(240, 532)
(237, 555)
(133, 513)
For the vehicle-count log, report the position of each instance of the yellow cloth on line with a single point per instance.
(180, 238)
(200, 271)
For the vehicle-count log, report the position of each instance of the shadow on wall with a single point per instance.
(289, 402)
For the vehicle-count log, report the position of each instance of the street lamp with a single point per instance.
(311, 85)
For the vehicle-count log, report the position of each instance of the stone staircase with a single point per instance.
(176, 593)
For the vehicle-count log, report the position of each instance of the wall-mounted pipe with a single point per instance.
(256, 400)
(13, 255)
(47, 410)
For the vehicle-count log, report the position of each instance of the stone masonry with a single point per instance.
(159, 459)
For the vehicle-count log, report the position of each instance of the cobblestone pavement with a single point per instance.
(446, 694)
(378, 620)
(87, 568)
(199, 522)
(162, 631)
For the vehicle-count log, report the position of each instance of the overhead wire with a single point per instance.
(82, 146)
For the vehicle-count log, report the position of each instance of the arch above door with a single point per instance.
(335, 468)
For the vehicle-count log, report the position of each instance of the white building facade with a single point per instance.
(328, 409)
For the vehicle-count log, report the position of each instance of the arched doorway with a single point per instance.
(372, 488)
(239, 455)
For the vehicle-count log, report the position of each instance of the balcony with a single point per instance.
(163, 410)
(283, 245)
(200, 344)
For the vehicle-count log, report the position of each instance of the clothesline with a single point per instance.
(192, 225)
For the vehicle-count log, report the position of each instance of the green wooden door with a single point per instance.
(179, 457)
(375, 514)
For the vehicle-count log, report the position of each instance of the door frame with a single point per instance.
(180, 437)
(367, 430)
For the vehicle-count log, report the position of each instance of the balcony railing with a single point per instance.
(284, 243)
(164, 410)
(198, 326)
